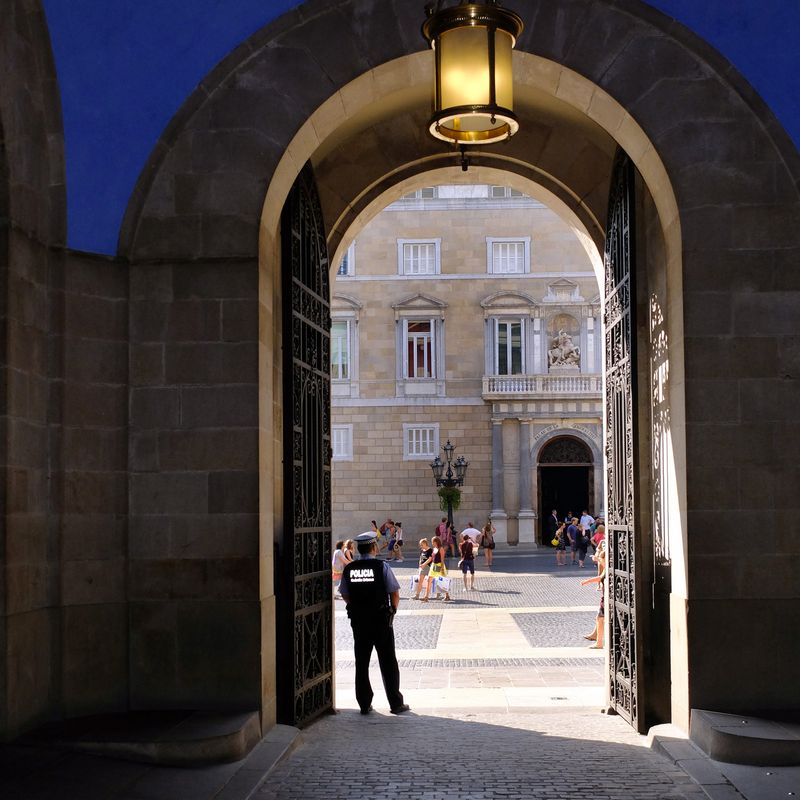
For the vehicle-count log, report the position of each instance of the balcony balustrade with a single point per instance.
(524, 387)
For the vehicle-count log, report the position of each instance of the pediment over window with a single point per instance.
(508, 301)
(563, 291)
(419, 304)
(343, 302)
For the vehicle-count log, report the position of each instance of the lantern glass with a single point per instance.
(474, 93)
(437, 467)
(503, 74)
(448, 451)
(464, 67)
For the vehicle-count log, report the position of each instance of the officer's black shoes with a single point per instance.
(400, 709)
(366, 711)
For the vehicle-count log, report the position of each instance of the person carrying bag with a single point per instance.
(438, 570)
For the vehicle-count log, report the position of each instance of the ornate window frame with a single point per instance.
(347, 309)
(420, 308)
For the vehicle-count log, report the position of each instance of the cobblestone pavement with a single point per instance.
(508, 585)
(555, 629)
(505, 699)
(410, 633)
(554, 755)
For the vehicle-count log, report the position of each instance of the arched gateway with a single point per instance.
(353, 102)
(221, 568)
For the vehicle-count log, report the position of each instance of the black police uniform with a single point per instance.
(370, 612)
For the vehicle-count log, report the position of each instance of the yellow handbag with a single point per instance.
(554, 542)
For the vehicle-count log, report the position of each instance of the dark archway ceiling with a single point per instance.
(557, 146)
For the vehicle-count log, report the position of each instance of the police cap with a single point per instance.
(366, 538)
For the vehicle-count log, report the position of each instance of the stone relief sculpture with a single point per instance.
(563, 353)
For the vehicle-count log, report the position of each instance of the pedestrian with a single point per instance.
(597, 634)
(551, 525)
(582, 540)
(586, 520)
(486, 541)
(388, 532)
(467, 562)
(438, 569)
(397, 548)
(379, 536)
(572, 535)
(425, 560)
(599, 534)
(561, 547)
(338, 563)
(448, 537)
(473, 533)
(350, 550)
(372, 594)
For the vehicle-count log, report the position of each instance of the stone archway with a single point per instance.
(709, 212)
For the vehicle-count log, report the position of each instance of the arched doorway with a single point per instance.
(361, 122)
(566, 479)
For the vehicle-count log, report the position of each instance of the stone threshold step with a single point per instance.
(175, 738)
(737, 739)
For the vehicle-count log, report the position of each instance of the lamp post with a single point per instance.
(449, 474)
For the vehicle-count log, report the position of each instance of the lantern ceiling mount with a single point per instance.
(473, 93)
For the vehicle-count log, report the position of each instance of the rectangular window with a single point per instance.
(418, 256)
(342, 442)
(340, 350)
(419, 259)
(420, 441)
(508, 257)
(348, 262)
(509, 353)
(426, 193)
(497, 192)
(420, 349)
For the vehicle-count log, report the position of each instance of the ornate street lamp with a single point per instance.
(450, 478)
(474, 88)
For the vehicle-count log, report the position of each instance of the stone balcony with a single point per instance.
(529, 387)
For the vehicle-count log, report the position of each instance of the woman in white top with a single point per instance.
(338, 563)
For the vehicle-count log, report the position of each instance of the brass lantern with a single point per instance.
(474, 93)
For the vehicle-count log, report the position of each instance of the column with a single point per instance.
(498, 515)
(527, 516)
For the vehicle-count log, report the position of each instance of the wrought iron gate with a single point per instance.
(621, 442)
(305, 614)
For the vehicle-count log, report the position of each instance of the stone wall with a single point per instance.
(193, 481)
(378, 483)
(89, 379)
(32, 221)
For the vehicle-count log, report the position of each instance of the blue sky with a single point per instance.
(139, 59)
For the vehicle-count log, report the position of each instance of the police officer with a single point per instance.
(371, 592)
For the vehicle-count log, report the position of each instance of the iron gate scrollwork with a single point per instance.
(305, 614)
(621, 443)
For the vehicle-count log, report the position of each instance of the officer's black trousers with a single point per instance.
(380, 635)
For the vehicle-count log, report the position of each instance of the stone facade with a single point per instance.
(501, 265)
(123, 389)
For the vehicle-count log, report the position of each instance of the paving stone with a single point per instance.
(551, 755)
(410, 633)
(556, 630)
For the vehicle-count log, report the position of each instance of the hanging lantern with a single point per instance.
(474, 93)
